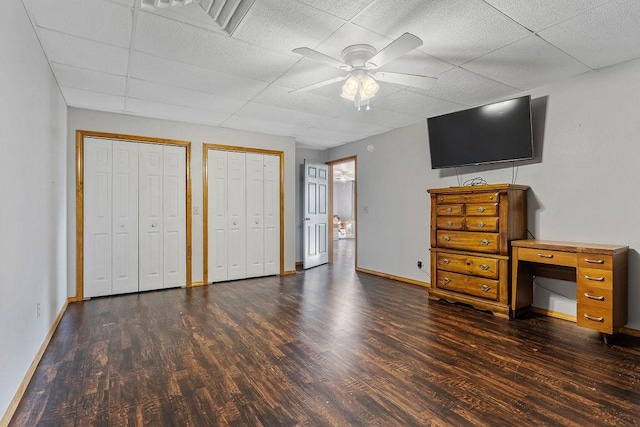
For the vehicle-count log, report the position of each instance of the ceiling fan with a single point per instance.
(359, 60)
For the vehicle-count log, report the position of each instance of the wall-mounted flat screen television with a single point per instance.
(499, 132)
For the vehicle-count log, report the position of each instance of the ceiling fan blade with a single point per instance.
(413, 80)
(320, 84)
(396, 48)
(314, 55)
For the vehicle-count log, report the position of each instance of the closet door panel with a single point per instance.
(217, 233)
(151, 233)
(125, 217)
(98, 176)
(236, 222)
(271, 215)
(255, 214)
(174, 216)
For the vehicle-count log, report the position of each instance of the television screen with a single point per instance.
(499, 132)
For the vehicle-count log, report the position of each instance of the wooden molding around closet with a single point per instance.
(205, 199)
(80, 135)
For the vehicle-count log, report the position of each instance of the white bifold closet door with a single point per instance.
(243, 215)
(134, 217)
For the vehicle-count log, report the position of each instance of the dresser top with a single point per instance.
(478, 188)
(579, 247)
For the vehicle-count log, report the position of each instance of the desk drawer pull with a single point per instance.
(484, 242)
(445, 261)
(595, 279)
(446, 238)
(594, 261)
(595, 319)
(485, 288)
(545, 255)
(484, 267)
(599, 297)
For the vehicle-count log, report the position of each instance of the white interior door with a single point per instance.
(125, 218)
(174, 213)
(315, 214)
(217, 235)
(98, 176)
(236, 216)
(271, 215)
(255, 214)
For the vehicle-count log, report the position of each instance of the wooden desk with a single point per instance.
(600, 273)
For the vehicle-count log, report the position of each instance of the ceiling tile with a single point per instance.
(158, 110)
(466, 88)
(306, 73)
(455, 31)
(263, 126)
(340, 8)
(327, 135)
(284, 25)
(342, 125)
(279, 96)
(378, 116)
(183, 97)
(185, 43)
(350, 34)
(539, 14)
(128, 3)
(527, 64)
(79, 78)
(603, 36)
(415, 104)
(315, 143)
(282, 115)
(92, 100)
(98, 20)
(172, 73)
(83, 53)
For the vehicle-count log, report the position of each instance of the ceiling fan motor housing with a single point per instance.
(358, 55)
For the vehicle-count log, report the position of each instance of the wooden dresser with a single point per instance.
(471, 228)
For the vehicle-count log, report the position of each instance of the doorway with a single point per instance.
(343, 211)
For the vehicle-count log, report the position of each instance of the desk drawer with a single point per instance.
(470, 285)
(593, 277)
(593, 295)
(469, 241)
(604, 262)
(547, 257)
(596, 316)
(468, 264)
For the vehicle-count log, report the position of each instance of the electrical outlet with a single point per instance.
(196, 210)
(419, 263)
(37, 310)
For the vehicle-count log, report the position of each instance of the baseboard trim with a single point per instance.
(551, 313)
(13, 405)
(196, 284)
(288, 272)
(630, 331)
(393, 277)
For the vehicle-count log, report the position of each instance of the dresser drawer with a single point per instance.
(547, 257)
(483, 209)
(468, 240)
(450, 209)
(470, 285)
(468, 264)
(596, 316)
(595, 277)
(473, 223)
(595, 261)
(468, 198)
(450, 222)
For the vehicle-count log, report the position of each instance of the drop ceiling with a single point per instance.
(116, 56)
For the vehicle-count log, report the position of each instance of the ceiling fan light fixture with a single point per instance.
(359, 88)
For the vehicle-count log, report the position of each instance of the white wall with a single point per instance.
(32, 198)
(80, 119)
(583, 181)
(343, 199)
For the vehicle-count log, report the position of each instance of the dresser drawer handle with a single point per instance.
(480, 224)
(481, 209)
(599, 297)
(484, 242)
(445, 261)
(449, 223)
(485, 288)
(449, 210)
(594, 261)
(446, 280)
(595, 319)
(595, 279)
(446, 238)
(484, 267)
(545, 255)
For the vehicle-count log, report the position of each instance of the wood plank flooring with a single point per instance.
(324, 347)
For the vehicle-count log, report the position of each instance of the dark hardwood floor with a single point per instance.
(323, 347)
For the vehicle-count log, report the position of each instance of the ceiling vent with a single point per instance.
(225, 15)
